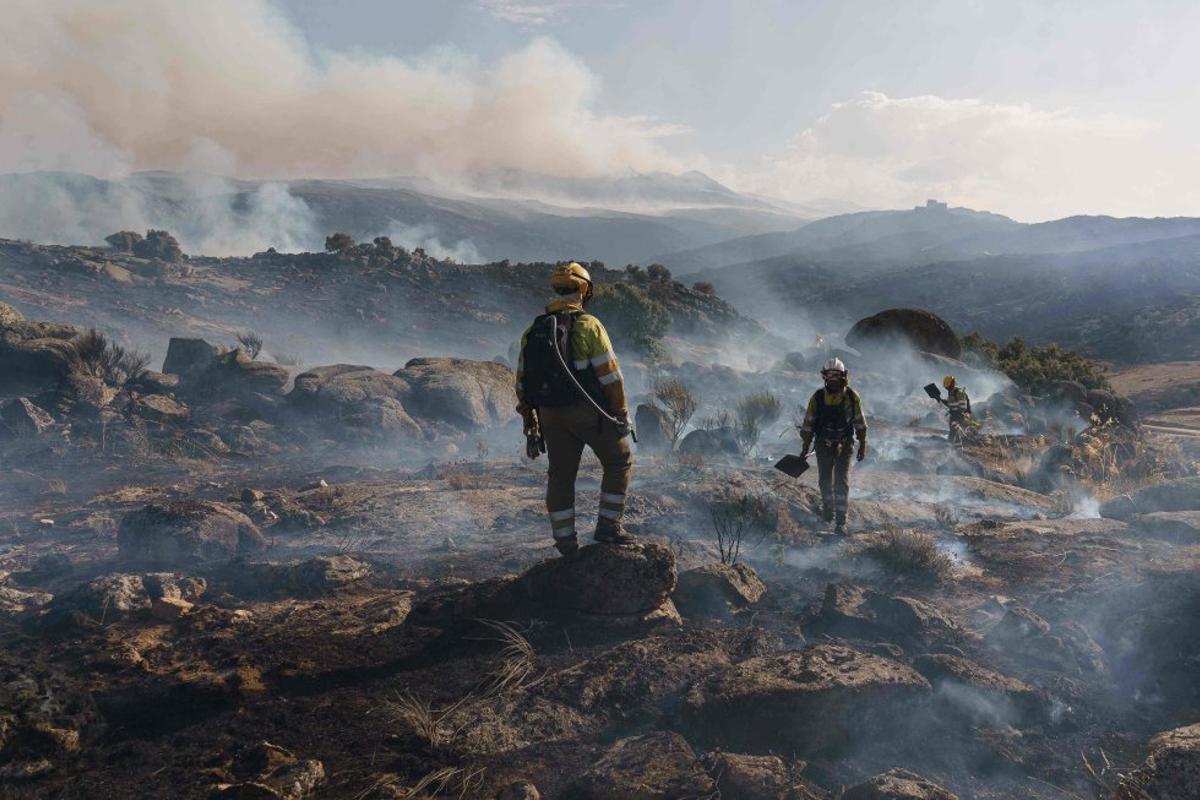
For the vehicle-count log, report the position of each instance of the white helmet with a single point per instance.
(833, 365)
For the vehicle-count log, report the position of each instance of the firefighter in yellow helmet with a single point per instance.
(571, 392)
(958, 404)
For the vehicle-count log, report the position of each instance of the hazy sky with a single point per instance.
(752, 80)
(1036, 110)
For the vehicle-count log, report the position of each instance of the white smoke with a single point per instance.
(231, 86)
(427, 238)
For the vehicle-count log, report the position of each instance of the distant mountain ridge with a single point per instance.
(494, 216)
(876, 239)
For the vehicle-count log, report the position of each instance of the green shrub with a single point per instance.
(633, 316)
(1034, 369)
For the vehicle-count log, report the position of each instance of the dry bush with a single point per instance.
(732, 519)
(679, 402)
(754, 413)
(694, 461)
(1111, 781)
(1113, 460)
(459, 477)
(92, 353)
(252, 342)
(945, 516)
(911, 554)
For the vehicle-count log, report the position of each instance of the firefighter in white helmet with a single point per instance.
(833, 420)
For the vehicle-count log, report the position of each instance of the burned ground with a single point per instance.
(337, 581)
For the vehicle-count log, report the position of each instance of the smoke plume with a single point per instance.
(231, 87)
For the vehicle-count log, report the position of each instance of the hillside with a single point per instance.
(367, 306)
(515, 216)
(1122, 290)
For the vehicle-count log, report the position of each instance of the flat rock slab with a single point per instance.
(805, 701)
(1179, 526)
(898, 784)
(1181, 494)
(978, 694)
(657, 766)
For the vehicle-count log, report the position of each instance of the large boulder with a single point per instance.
(235, 374)
(34, 355)
(186, 532)
(653, 427)
(657, 766)
(1171, 771)
(363, 403)
(1181, 494)
(920, 329)
(466, 395)
(804, 701)
(188, 358)
(898, 784)
(718, 590)
(21, 417)
(605, 580)
(710, 443)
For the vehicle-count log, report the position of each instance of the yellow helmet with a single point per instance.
(948, 382)
(571, 277)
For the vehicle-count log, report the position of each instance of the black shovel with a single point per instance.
(793, 466)
(933, 391)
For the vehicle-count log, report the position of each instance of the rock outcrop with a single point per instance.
(1171, 771)
(718, 590)
(186, 532)
(630, 581)
(804, 701)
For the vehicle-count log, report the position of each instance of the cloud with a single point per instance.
(1018, 159)
(230, 86)
(536, 12)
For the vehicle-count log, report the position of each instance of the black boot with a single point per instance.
(567, 547)
(827, 514)
(610, 531)
(840, 528)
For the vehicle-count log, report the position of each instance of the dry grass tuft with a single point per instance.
(518, 660)
(434, 726)
(911, 554)
(448, 782)
(1110, 781)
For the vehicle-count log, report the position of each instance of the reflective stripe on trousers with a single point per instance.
(833, 475)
